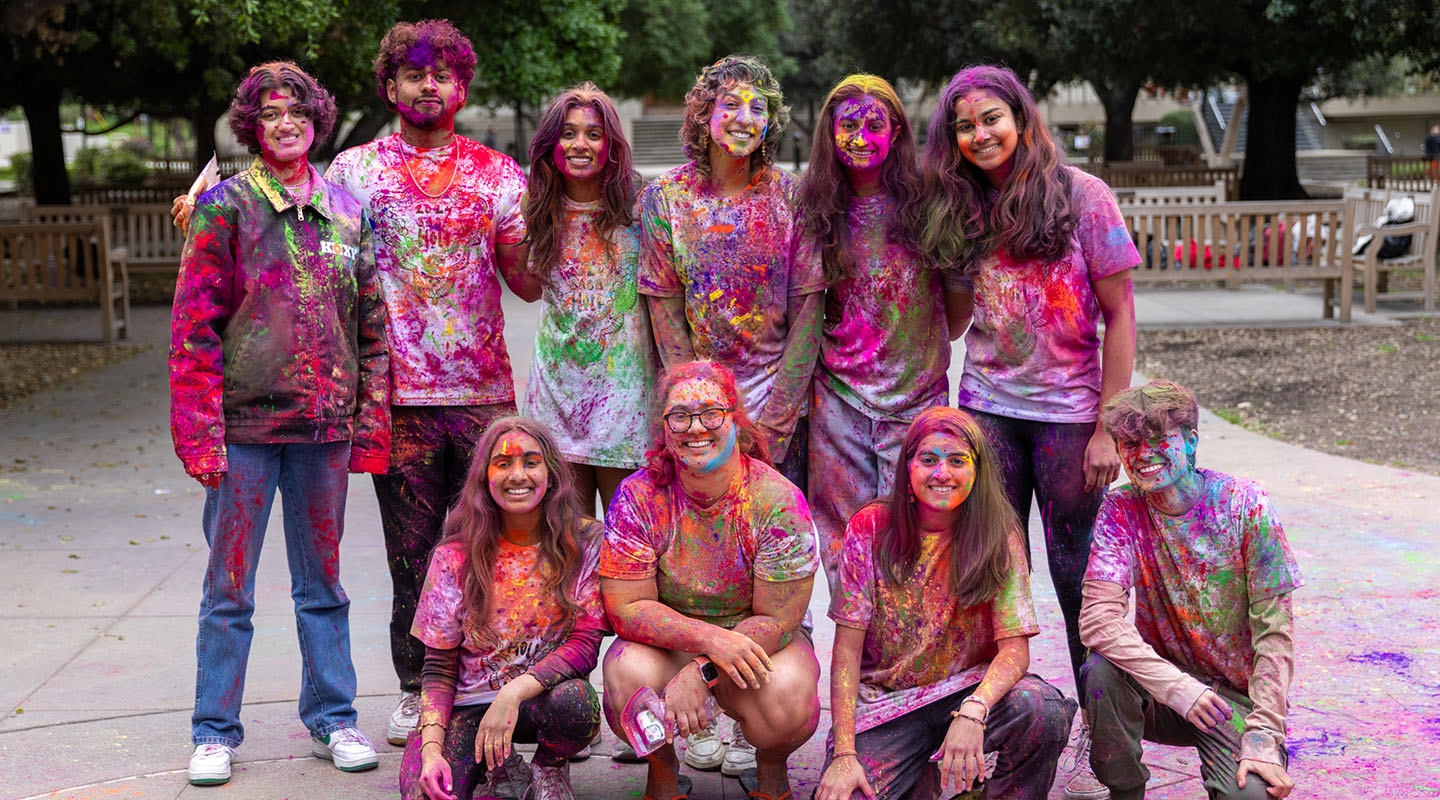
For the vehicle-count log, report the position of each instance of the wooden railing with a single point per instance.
(152, 242)
(67, 261)
(1406, 173)
(1121, 174)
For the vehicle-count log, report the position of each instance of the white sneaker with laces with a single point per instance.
(210, 764)
(550, 783)
(348, 748)
(403, 719)
(1082, 785)
(703, 748)
(739, 756)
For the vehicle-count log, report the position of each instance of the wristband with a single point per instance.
(982, 703)
(708, 671)
(843, 753)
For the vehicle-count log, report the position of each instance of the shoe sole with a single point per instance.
(345, 766)
(398, 737)
(206, 780)
(706, 765)
(731, 770)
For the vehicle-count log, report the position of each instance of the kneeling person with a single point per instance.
(1209, 657)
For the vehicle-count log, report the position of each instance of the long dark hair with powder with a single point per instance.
(1031, 219)
(748, 438)
(979, 560)
(475, 524)
(825, 192)
(544, 203)
(700, 101)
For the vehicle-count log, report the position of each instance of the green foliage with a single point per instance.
(24, 178)
(530, 49)
(667, 42)
(1183, 121)
(94, 166)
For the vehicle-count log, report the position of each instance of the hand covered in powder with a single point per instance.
(180, 210)
(741, 658)
(842, 779)
(685, 697)
(435, 779)
(1273, 774)
(779, 442)
(210, 480)
(1102, 461)
(1209, 710)
(962, 756)
(497, 728)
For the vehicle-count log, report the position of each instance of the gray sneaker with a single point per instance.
(550, 783)
(509, 781)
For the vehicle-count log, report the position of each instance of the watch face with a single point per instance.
(710, 672)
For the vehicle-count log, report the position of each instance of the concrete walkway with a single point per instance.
(101, 559)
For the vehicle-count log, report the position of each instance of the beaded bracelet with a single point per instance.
(973, 719)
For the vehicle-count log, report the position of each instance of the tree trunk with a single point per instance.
(1270, 172)
(47, 147)
(365, 129)
(203, 121)
(520, 150)
(1119, 102)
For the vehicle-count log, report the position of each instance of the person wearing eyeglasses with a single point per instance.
(706, 571)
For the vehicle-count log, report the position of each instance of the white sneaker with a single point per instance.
(348, 748)
(403, 719)
(1082, 785)
(739, 756)
(210, 764)
(624, 753)
(549, 783)
(703, 749)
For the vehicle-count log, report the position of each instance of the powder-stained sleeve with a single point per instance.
(1111, 556)
(439, 676)
(629, 552)
(1105, 630)
(509, 219)
(439, 614)
(854, 605)
(203, 303)
(577, 655)
(658, 277)
(785, 548)
(1013, 609)
(1270, 568)
(370, 445)
(1271, 626)
(1100, 228)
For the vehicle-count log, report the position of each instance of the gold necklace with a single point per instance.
(454, 168)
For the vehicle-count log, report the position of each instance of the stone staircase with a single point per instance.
(1217, 115)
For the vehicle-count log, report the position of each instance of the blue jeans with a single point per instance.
(312, 479)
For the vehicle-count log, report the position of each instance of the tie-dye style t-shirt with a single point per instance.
(527, 623)
(1033, 350)
(886, 345)
(1196, 575)
(705, 560)
(733, 262)
(921, 644)
(436, 260)
(594, 367)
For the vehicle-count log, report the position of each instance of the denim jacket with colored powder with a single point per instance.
(278, 328)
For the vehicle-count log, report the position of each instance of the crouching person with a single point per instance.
(1208, 660)
(933, 623)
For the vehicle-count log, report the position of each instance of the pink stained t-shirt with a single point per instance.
(886, 343)
(705, 560)
(732, 260)
(1196, 575)
(920, 644)
(436, 260)
(1033, 350)
(527, 621)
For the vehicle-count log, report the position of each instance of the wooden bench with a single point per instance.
(1245, 241)
(1362, 208)
(144, 230)
(1137, 174)
(1172, 195)
(67, 261)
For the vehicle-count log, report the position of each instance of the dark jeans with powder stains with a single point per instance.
(430, 452)
(1028, 729)
(1122, 714)
(561, 721)
(1047, 460)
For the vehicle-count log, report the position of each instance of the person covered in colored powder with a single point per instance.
(717, 262)
(279, 378)
(1047, 257)
(511, 620)
(1208, 659)
(886, 344)
(594, 367)
(706, 572)
(933, 620)
(447, 214)
(717, 266)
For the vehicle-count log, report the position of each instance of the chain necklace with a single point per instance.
(454, 168)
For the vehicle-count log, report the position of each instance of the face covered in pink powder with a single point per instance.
(863, 133)
(427, 97)
(738, 120)
(580, 153)
(284, 132)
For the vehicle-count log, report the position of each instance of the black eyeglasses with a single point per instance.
(711, 418)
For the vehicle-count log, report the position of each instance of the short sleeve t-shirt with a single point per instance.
(436, 260)
(1196, 575)
(886, 343)
(595, 361)
(705, 560)
(1033, 349)
(732, 260)
(527, 621)
(921, 644)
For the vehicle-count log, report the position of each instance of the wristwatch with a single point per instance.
(708, 671)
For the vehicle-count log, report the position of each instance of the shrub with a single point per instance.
(24, 178)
